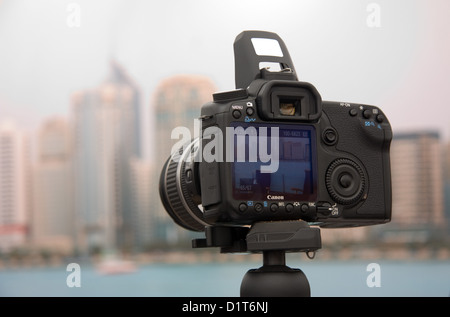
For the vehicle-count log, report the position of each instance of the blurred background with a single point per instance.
(91, 90)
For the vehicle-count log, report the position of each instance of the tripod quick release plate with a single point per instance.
(289, 236)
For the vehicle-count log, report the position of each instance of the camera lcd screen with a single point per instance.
(287, 174)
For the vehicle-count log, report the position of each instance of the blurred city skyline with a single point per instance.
(52, 60)
(88, 188)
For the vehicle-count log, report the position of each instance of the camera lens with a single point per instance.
(179, 188)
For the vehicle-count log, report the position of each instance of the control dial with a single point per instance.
(345, 181)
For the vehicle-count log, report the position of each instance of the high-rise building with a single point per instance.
(447, 183)
(53, 221)
(15, 187)
(176, 103)
(107, 136)
(144, 194)
(417, 181)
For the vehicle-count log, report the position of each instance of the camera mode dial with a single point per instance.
(345, 181)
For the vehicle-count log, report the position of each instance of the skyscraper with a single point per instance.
(53, 221)
(417, 180)
(447, 183)
(15, 187)
(107, 136)
(176, 103)
(144, 194)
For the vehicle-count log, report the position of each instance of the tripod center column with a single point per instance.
(274, 257)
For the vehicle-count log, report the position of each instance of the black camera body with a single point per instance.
(272, 150)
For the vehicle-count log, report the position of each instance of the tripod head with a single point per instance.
(273, 240)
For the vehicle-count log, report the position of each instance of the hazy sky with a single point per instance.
(403, 65)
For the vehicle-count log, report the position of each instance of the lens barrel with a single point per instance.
(178, 189)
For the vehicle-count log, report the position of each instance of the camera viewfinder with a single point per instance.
(289, 107)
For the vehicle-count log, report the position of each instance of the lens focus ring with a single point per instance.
(176, 198)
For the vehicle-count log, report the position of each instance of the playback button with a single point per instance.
(258, 208)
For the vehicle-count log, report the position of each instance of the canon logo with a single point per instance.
(275, 197)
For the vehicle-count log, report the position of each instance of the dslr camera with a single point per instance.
(272, 150)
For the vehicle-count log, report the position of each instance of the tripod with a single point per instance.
(273, 240)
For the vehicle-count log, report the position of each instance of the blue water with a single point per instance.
(334, 278)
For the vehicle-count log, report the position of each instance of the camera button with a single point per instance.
(324, 209)
(304, 208)
(250, 111)
(274, 207)
(289, 208)
(258, 207)
(329, 136)
(243, 207)
(380, 118)
(346, 180)
(367, 114)
(353, 112)
(236, 114)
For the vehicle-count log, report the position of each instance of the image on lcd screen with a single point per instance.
(294, 179)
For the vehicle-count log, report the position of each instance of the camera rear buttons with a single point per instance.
(367, 114)
(345, 181)
(243, 207)
(289, 208)
(304, 208)
(274, 207)
(236, 114)
(329, 136)
(258, 207)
